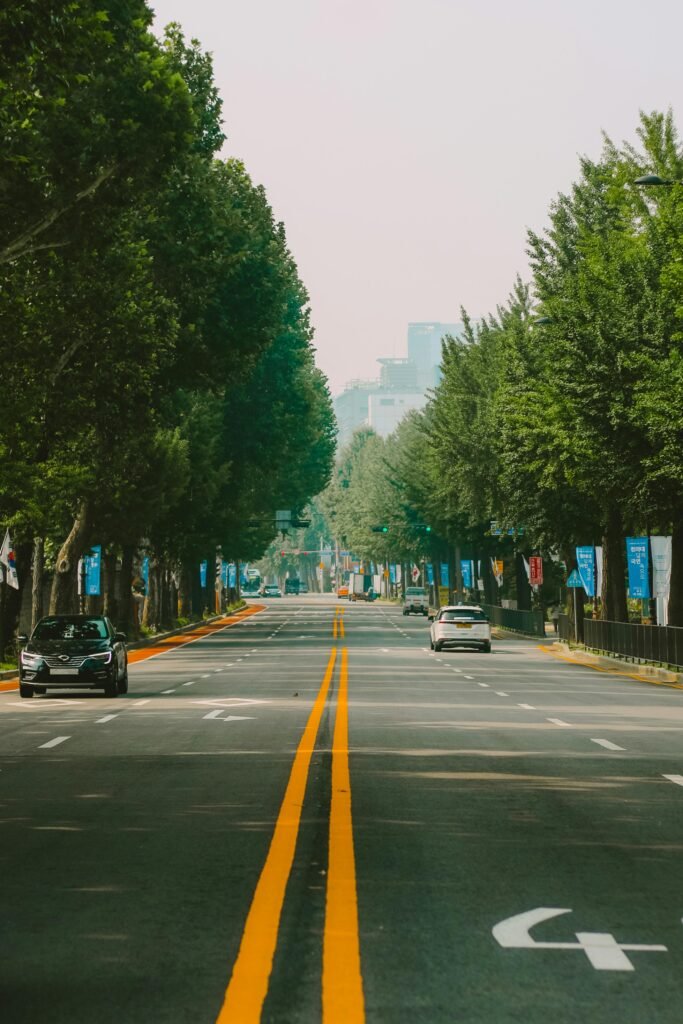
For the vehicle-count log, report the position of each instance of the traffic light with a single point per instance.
(379, 529)
(423, 528)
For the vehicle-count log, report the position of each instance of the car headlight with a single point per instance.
(30, 660)
(104, 658)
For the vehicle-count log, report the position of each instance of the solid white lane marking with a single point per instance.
(238, 718)
(527, 707)
(54, 742)
(168, 691)
(471, 678)
(139, 703)
(678, 779)
(558, 721)
(107, 718)
(500, 693)
(214, 714)
(608, 745)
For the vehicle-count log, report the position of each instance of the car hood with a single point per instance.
(57, 647)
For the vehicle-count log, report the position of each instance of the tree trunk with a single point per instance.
(150, 615)
(125, 617)
(185, 592)
(676, 588)
(37, 581)
(522, 584)
(63, 598)
(111, 603)
(614, 574)
(574, 596)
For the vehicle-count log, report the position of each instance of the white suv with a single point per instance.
(461, 625)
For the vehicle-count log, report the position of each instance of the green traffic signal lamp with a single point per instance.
(379, 529)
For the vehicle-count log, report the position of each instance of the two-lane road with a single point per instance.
(310, 817)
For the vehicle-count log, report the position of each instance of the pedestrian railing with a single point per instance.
(531, 623)
(631, 640)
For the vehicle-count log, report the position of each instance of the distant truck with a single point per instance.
(292, 586)
(360, 587)
(416, 600)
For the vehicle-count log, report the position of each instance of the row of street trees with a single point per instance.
(560, 413)
(159, 384)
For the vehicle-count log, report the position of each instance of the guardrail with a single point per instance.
(631, 640)
(531, 623)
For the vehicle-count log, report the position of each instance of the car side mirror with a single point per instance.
(120, 636)
(22, 638)
(430, 618)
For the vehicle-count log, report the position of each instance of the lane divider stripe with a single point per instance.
(248, 986)
(343, 1001)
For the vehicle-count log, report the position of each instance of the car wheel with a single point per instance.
(431, 645)
(111, 687)
(25, 691)
(486, 648)
(123, 681)
(438, 645)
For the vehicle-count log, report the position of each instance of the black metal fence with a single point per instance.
(565, 628)
(531, 623)
(650, 643)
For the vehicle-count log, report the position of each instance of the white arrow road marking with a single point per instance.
(678, 779)
(54, 742)
(558, 721)
(230, 702)
(601, 948)
(607, 744)
(214, 714)
(238, 718)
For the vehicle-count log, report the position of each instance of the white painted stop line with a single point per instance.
(607, 744)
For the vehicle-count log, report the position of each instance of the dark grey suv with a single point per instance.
(73, 652)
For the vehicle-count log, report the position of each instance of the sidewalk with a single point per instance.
(141, 650)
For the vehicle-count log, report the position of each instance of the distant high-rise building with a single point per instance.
(386, 409)
(424, 349)
(351, 407)
(398, 373)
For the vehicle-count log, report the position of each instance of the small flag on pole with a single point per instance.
(8, 560)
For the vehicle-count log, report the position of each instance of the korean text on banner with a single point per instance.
(232, 575)
(93, 566)
(430, 574)
(638, 558)
(443, 574)
(585, 561)
(535, 570)
(202, 574)
(466, 568)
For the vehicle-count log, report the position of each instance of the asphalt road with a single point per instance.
(212, 848)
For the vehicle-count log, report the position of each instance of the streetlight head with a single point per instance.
(544, 321)
(652, 179)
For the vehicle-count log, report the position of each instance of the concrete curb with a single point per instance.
(650, 673)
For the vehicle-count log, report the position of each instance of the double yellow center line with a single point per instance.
(338, 628)
(342, 983)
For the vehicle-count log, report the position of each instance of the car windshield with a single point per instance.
(74, 627)
(415, 592)
(458, 614)
(271, 587)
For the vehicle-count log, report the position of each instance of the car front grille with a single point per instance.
(74, 661)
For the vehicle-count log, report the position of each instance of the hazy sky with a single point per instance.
(408, 144)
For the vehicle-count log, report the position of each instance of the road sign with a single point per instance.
(574, 579)
(415, 573)
(601, 948)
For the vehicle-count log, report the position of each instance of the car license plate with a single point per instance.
(462, 625)
(63, 671)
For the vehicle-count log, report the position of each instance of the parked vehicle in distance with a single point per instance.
(343, 590)
(303, 587)
(360, 587)
(292, 586)
(271, 590)
(416, 600)
(73, 652)
(461, 625)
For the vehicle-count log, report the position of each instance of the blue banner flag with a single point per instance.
(224, 574)
(144, 571)
(232, 575)
(638, 558)
(392, 573)
(443, 573)
(585, 559)
(466, 569)
(202, 574)
(430, 574)
(93, 563)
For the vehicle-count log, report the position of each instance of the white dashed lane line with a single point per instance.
(499, 693)
(527, 707)
(53, 743)
(484, 686)
(107, 718)
(558, 721)
(678, 779)
(168, 691)
(608, 745)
